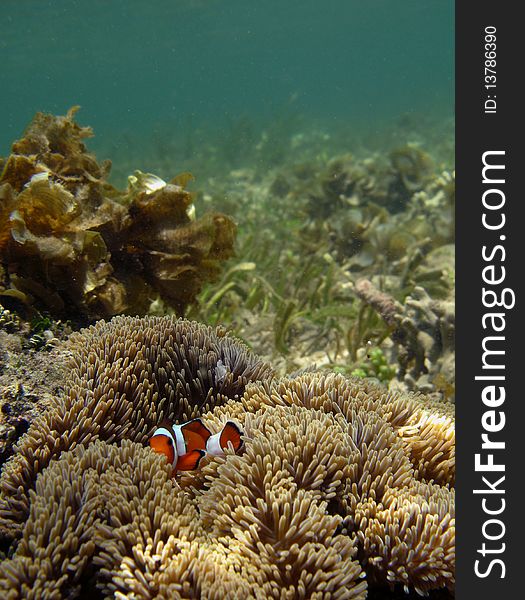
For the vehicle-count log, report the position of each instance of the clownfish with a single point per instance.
(216, 444)
(185, 445)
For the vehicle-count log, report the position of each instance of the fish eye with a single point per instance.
(170, 442)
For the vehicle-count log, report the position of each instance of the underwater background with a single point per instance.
(236, 211)
(145, 72)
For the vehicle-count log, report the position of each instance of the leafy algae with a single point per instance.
(72, 244)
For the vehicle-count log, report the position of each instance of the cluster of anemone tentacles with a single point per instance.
(341, 486)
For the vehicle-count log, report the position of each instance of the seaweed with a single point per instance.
(309, 229)
(74, 245)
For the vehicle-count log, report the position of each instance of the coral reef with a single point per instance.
(383, 219)
(342, 486)
(346, 181)
(423, 335)
(344, 489)
(310, 228)
(73, 244)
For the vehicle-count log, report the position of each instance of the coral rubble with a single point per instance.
(423, 336)
(342, 486)
(372, 211)
(29, 379)
(73, 244)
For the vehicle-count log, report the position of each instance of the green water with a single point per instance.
(142, 69)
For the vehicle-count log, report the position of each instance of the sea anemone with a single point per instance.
(332, 494)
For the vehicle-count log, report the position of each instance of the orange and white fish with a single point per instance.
(185, 445)
(217, 443)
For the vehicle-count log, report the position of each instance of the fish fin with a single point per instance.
(231, 433)
(190, 461)
(198, 427)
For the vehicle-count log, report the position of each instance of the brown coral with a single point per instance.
(333, 484)
(75, 244)
(423, 332)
